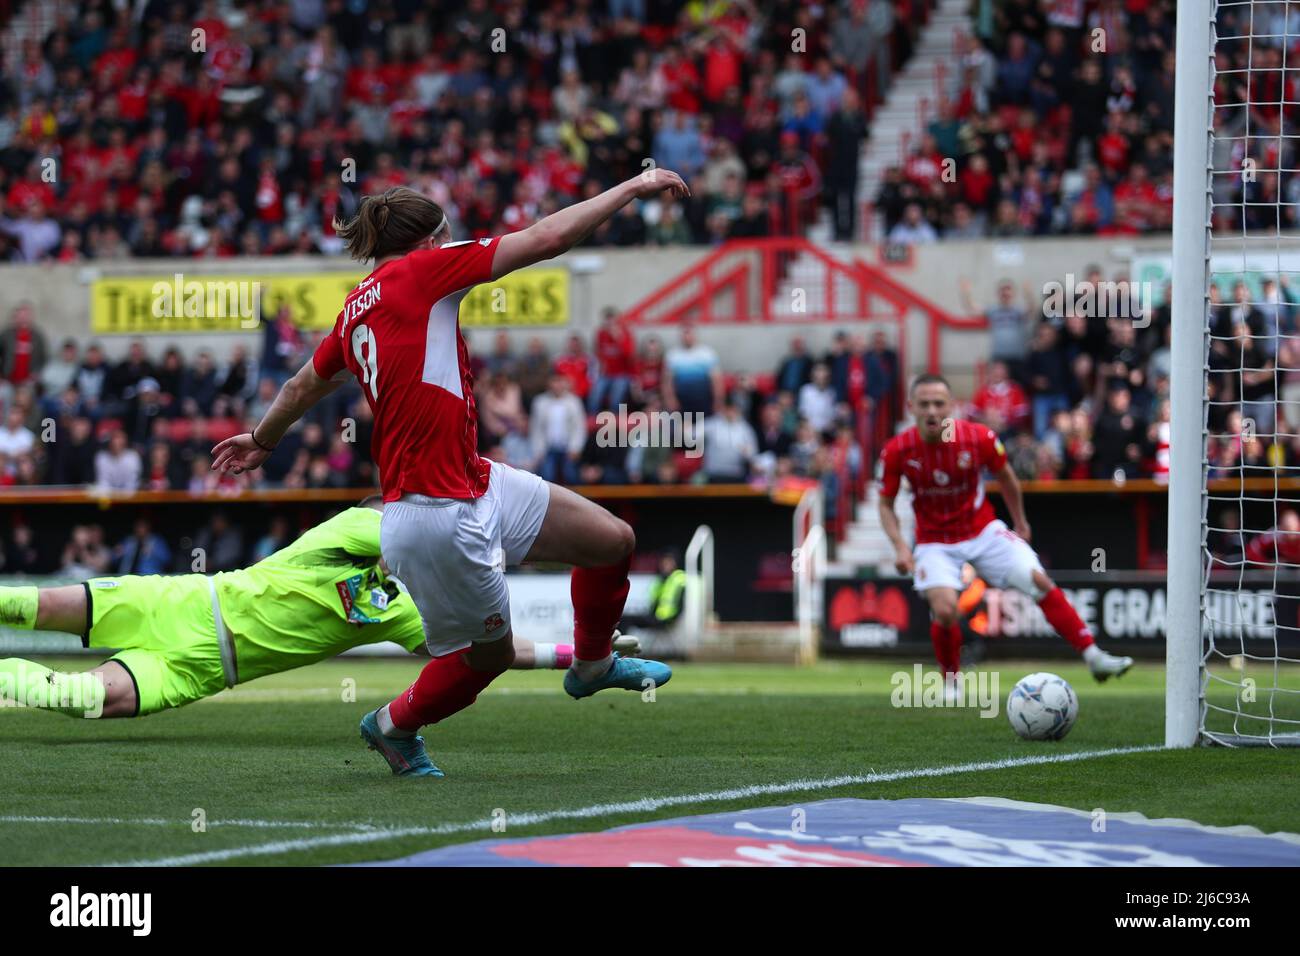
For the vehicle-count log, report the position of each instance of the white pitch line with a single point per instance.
(185, 822)
(260, 695)
(243, 695)
(644, 805)
(685, 691)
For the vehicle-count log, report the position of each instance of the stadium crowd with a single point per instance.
(1072, 396)
(1059, 122)
(148, 421)
(71, 417)
(216, 129)
(1075, 394)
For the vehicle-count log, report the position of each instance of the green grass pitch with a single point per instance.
(278, 773)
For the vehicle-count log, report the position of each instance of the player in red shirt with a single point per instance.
(455, 521)
(943, 460)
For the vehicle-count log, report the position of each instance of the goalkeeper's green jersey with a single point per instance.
(316, 598)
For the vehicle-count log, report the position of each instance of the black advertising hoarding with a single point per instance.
(1126, 611)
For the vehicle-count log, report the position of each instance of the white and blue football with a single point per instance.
(1042, 707)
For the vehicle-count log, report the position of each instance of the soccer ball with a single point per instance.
(1042, 707)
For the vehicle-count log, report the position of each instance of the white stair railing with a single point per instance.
(809, 554)
(809, 570)
(811, 510)
(697, 607)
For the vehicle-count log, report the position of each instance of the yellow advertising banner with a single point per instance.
(192, 302)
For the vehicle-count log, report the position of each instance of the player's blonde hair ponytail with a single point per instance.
(394, 222)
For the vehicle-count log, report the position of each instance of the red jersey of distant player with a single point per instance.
(399, 334)
(946, 478)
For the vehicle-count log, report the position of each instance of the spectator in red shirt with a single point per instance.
(1136, 201)
(575, 365)
(1026, 133)
(370, 81)
(70, 248)
(201, 101)
(114, 65)
(926, 164)
(681, 80)
(22, 346)
(722, 67)
(1113, 147)
(270, 204)
(616, 360)
(133, 98)
(1280, 544)
(1000, 403)
(799, 180)
(977, 184)
(81, 160)
(28, 190)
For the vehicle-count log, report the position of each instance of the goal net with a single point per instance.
(1234, 531)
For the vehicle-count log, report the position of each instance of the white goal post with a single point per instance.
(1231, 628)
(1193, 98)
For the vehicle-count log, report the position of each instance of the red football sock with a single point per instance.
(1060, 613)
(598, 595)
(947, 645)
(446, 685)
(954, 646)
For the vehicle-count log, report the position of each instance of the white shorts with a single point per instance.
(1001, 557)
(451, 554)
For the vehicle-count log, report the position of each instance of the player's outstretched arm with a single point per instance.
(563, 230)
(248, 451)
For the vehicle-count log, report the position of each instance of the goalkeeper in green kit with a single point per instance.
(177, 639)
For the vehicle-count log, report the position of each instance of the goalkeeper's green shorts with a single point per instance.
(165, 635)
